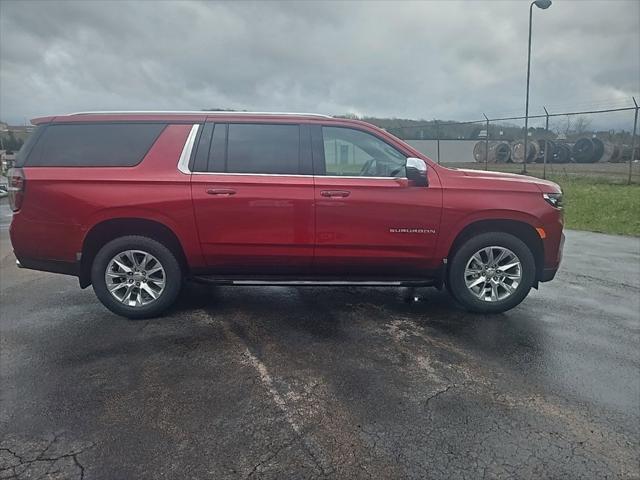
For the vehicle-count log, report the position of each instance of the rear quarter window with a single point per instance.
(27, 146)
(93, 144)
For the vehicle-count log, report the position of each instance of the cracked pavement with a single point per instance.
(326, 382)
(41, 458)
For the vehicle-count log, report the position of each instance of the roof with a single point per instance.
(230, 117)
(189, 115)
(197, 112)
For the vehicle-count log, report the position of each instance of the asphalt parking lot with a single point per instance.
(325, 382)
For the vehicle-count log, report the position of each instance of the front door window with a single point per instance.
(354, 153)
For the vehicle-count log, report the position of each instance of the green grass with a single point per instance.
(598, 205)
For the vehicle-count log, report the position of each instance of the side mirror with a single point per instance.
(417, 171)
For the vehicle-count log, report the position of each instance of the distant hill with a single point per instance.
(449, 130)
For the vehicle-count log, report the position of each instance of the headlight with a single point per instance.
(553, 199)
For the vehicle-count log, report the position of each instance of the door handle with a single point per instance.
(221, 191)
(335, 193)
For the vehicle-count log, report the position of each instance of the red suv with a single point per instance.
(135, 203)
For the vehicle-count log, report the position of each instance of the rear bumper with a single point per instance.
(53, 266)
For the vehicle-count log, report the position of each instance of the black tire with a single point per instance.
(172, 271)
(456, 280)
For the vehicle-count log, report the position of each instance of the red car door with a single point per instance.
(370, 219)
(252, 200)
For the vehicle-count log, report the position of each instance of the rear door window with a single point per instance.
(201, 155)
(218, 152)
(261, 148)
(94, 144)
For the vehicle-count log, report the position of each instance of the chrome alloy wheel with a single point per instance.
(135, 278)
(493, 274)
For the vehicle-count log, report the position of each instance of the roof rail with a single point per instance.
(199, 112)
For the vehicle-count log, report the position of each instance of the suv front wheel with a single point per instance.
(491, 272)
(136, 277)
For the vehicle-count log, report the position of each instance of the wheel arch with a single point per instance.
(520, 229)
(105, 231)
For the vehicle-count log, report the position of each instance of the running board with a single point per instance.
(318, 282)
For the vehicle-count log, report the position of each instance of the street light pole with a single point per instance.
(542, 4)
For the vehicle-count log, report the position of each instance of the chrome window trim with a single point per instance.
(185, 156)
(295, 175)
(254, 174)
(373, 178)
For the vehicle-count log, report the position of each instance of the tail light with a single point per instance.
(16, 188)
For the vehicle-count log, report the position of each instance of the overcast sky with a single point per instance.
(428, 59)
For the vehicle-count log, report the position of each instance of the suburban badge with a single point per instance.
(411, 230)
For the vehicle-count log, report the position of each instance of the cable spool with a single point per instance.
(583, 151)
(562, 153)
(499, 152)
(480, 151)
(517, 151)
(598, 149)
(548, 144)
(625, 153)
(610, 152)
(616, 156)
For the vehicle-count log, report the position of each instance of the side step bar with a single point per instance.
(319, 282)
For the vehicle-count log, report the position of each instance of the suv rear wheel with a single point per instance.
(136, 277)
(491, 272)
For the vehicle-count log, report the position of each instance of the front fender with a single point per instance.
(456, 226)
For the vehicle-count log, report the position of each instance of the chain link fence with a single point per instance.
(596, 143)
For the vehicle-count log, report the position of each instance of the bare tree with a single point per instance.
(582, 124)
(572, 125)
(563, 125)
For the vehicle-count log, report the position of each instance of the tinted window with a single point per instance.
(27, 146)
(94, 145)
(350, 152)
(202, 148)
(263, 148)
(218, 155)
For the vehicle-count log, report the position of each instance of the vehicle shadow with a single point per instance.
(327, 314)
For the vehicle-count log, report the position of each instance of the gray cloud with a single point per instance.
(430, 59)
